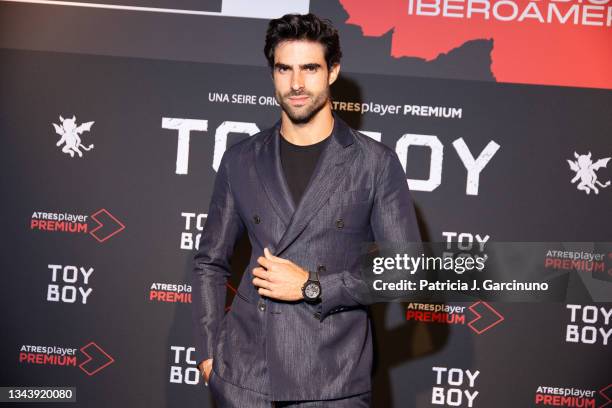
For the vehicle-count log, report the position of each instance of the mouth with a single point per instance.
(298, 100)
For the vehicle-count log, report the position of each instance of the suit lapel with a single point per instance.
(327, 175)
(270, 171)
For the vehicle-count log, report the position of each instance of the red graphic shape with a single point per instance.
(527, 52)
(486, 317)
(106, 221)
(97, 359)
(606, 392)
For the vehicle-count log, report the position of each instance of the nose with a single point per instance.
(297, 81)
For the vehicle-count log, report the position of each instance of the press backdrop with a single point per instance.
(144, 97)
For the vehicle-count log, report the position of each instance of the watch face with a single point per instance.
(312, 291)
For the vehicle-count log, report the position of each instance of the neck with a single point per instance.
(304, 134)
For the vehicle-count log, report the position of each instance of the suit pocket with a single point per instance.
(212, 374)
(243, 296)
(346, 198)
(212, 382)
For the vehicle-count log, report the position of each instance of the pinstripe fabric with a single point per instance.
(228, 395)
(293, 351)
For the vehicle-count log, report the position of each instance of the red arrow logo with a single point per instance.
(604, 393)
(97, 359)
(107, 226)
(486, 317)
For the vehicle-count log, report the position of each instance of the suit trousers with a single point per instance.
(227, 395)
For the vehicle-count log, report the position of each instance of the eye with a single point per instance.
(281, 69)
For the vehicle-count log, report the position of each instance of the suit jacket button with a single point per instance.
(256, 219)
(261, 306)
(317, 315)
(321, 268)
(339, 223)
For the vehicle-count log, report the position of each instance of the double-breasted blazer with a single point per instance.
(296, 350)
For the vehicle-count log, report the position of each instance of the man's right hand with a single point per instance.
(205, 368)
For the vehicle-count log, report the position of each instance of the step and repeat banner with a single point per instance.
(114, 118)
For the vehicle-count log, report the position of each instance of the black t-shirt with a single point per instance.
(299, 163)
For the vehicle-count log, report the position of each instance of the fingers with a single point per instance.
(273, 258)
(261, 273)
(260, 283)
(265, 292)
(268, 260)
(261, 278)
(206, 368)
(265, 262)
(269, 255)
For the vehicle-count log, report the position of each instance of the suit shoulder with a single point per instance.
(373, 147)
(380, 157)
(246, 145)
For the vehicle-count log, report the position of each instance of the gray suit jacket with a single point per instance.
(295, 350)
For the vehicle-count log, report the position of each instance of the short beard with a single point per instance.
(306, 116)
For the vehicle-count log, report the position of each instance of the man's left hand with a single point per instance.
(279, 278)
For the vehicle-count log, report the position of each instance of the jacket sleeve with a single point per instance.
(392, 219)
(211, 266)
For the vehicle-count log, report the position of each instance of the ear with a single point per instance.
(62, 119)
(334, 71)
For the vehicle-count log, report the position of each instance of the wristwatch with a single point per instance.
(312, 288)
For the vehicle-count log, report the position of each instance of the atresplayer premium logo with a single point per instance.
(106, 224)
(70, 134)
(571, 397)
(585, 172)
(93, 361)
(170, 292)
(484, 316)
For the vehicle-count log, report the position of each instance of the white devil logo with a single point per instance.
(69, 133)
(585, 172)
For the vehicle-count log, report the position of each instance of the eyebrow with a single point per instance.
(304, 66)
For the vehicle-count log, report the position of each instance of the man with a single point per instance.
(309, 192)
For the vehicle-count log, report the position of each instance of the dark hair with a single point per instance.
(303, 27)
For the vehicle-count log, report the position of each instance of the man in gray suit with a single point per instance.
(309, 192)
